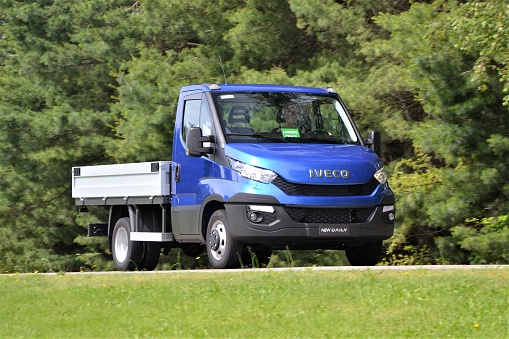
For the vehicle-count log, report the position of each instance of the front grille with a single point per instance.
(329, 215)
(326, 190)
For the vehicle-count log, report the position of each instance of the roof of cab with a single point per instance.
(254, 88)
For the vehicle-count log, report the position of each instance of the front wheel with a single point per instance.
(127, 254)
(366, 255)
(223, 251)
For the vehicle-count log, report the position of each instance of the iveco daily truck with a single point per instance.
(262, 167)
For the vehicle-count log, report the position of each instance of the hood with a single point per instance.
(310, 163)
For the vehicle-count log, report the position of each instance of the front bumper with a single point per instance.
(255, 219)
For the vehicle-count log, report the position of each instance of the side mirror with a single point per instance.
(195, 142)
(374, 141)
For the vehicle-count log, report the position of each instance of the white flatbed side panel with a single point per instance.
(122, 180)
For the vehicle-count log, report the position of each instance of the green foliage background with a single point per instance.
(93, 82)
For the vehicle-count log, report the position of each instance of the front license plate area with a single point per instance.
(333, 230)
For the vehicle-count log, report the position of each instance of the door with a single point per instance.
(189, 190)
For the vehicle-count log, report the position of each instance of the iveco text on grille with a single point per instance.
(329, 173)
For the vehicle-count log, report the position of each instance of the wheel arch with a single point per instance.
(210, 205)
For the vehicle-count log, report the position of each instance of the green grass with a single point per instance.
(273, 304)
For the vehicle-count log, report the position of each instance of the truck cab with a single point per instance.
(267, 167)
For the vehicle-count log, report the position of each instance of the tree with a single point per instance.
(264, 35)
(54, 114)
(458, 164)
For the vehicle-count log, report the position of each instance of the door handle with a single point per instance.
(177, 173)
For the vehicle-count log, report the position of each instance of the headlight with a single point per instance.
(252, 172)
(381, 175)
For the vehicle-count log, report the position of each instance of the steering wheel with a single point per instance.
(318, 132)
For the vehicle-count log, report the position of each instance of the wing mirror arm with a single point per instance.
(374, 142)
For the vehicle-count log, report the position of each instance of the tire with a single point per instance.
(151, 254)
(366, 255)
(127, 254)
(223, 251)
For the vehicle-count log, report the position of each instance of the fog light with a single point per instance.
(388, 214)
(255, 217)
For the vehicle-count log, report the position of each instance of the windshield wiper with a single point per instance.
(323, 140)
(254, 135)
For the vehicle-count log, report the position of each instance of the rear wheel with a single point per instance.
(366, 255)
(223, 251)
(151, 254)
(127, 254)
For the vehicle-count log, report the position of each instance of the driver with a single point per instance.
(294, 117)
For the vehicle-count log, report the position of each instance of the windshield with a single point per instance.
(284, 117)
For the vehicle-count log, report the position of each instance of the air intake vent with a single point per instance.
(329, 215)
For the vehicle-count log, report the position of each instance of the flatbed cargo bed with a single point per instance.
(132, 183)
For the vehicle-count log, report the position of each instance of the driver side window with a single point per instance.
(197, 114)
(191, 116)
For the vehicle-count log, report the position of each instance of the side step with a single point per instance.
(151, 236)
(100, 230)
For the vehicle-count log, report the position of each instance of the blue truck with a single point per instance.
(254, 168)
